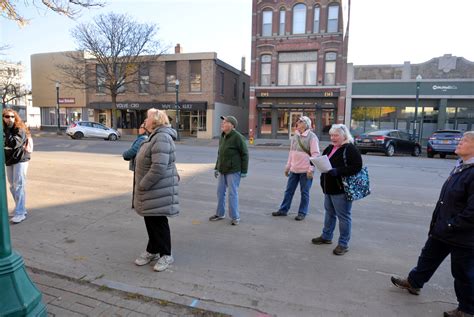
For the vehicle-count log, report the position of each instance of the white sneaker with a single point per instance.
(18, 218)
(146, 258)
(163, 263)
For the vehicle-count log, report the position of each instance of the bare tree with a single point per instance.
(10, 87)
(115, 46)
(69, 8)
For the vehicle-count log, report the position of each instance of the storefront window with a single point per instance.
(283, 121)
(266, 122)
(429, 122)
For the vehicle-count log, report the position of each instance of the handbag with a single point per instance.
(356, 186)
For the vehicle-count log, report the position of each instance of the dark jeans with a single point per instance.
(462, 269)
(159, 236)
(305, 185)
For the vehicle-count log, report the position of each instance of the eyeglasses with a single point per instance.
(7, 116)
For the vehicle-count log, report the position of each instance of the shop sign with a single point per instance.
(128, 106)
(298, 94)
(444, 87)
(67, 101)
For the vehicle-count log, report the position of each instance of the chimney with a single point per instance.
(177, 49)
(242, 64)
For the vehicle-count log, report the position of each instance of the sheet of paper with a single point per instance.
(322, 163)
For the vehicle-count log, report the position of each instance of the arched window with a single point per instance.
(281, 29)
(299, 19)
(317, 11)
(333, 18)
(330, 69)
(267, 17)
(265, 70)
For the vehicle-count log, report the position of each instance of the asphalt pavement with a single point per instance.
(81, 227)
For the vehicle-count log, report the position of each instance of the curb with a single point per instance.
(127, 292)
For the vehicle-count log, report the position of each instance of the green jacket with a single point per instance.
(233, 155)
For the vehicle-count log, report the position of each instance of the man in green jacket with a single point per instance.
(232, 164)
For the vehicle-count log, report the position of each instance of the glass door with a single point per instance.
(294, 116)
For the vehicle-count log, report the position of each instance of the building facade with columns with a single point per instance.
(195, 88)
(298, 65)
(384, 96)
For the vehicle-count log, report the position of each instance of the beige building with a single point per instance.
(208, 88)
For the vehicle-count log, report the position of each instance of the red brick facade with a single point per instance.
(278, 101)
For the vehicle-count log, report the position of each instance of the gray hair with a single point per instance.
(342, 130)
(469, 134)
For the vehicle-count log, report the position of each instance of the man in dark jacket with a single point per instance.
(232, 164)
(451, 232)
(15, 134)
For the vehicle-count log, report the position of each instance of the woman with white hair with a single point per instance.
(156, 188)
(345, 161)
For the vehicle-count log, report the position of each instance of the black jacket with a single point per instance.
(332, 185)
(453, 217)
(14, 142)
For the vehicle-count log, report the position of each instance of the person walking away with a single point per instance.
(131, 153)
(156, 188)
(345, 161)
(232, 165)
(451, 232)
(304, 144)
(15, 135)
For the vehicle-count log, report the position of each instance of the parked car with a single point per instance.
(388, 142)
(443, 142)
(87, 129)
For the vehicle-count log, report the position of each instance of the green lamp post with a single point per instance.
(18, 295)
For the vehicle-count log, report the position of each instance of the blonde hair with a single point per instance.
(158, 118)
(342, 130)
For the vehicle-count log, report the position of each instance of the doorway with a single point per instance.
(294, 116)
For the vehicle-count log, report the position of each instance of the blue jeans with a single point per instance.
(462, 269)
(305, 185)
(231, 181)
(16, 175)
(337, 206)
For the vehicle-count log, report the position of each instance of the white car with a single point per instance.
(87, 129)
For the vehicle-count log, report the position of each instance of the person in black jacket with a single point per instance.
(451, 232)
(336, 205)
(15, 134)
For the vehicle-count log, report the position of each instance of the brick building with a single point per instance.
(298, 66)
(208, 88)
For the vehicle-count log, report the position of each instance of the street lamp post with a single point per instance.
(177, 109)
(58, 84)
(19, 296)
(418, 80)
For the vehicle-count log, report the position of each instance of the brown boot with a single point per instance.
(404, 284)
(456, 313)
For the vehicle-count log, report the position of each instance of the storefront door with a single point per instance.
(294, 116)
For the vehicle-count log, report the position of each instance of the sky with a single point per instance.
(381, 32)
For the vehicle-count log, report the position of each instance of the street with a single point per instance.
(80, 224)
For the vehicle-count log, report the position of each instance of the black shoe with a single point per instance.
(320, 240)
(299, 217)
(456, 313)
(340, 250)
(278, 213)
(404, 284)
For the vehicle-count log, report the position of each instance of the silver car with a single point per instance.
(87, 129)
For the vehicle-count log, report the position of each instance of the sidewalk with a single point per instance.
(280, 144)
(65, 296)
